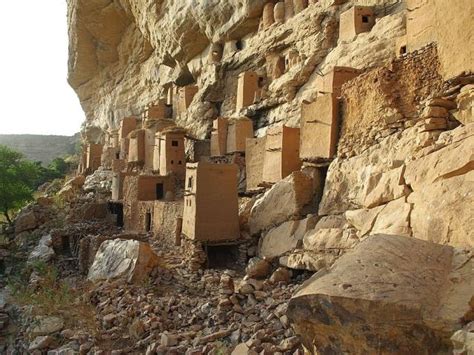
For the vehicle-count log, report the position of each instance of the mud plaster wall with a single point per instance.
(165, 220)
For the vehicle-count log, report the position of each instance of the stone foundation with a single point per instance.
(196, 258)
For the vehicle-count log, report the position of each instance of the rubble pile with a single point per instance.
(213, 308)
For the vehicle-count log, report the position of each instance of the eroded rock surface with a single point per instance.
(391, 294)
(285, 200)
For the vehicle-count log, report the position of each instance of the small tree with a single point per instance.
(17, 180)
(60, 167)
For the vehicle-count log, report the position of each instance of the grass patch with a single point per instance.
(222, 348)
(53, 297)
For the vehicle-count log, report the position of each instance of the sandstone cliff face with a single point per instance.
(123, 54)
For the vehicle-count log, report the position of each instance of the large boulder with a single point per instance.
(123, 259)
(321, 248)
(26, 221)
(43, 252)
(463, 340)
(384, 187)
(363, 219)
(285, 200)
(99, 182)
(391, 294)
(40, 343)
(258, 268)
(77, 181)
(284, 238)
(43, 326)
(443, 211)
(455, 159)
(71, 188)
(394, 218)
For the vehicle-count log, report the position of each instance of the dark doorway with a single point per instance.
(160, 191)
(119, 212)
(222, 257)
(148, 222)
(66, 245)
(116, 209)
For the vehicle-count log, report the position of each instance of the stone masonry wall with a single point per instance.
(384, 100)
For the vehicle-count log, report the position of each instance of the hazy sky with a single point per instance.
(34, 94)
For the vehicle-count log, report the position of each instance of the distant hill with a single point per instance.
(40, 148)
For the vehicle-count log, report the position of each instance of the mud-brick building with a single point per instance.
(219, 137)
(254, 157)
(185, 97)
(211, 203)
(144, 188)
(229, 136)
(333, 80)
(247, 89)
(136, 148)
(158, 110)
(118, 165)
(81, 167)
(281, 155)
(169, 154)
(167, 220)
(237, 133)
(319, 128)
(127, 125)
(357, 19)
(93, 156)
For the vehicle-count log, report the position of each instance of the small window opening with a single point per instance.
(174, 143)
(172, 162)
(160, 191)
(365, 19)
(117, 155)
(190, 182)
(180, 162)
(239, 45)
(403, 49)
